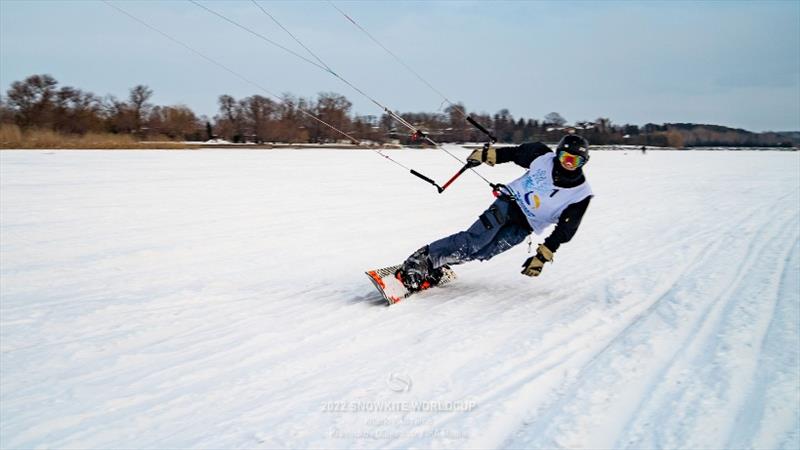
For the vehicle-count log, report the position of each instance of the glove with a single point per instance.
(533, 266)
(487, 155)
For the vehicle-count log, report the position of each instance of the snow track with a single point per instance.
(216, 299)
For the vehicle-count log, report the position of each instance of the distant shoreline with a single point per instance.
(177, 146)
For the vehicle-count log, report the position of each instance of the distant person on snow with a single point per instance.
(552, 191)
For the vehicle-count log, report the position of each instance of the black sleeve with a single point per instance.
(567, 224)
(522, 155)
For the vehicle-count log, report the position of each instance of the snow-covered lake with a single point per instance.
(216, 299)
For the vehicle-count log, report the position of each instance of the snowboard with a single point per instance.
(393, 290)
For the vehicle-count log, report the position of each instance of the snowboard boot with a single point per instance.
(436, 274)
(416, 271)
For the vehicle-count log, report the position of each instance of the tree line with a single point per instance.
(38, 102)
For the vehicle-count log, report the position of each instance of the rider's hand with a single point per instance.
(487, 155)
(533, 266)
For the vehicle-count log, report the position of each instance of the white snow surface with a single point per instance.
(216, 299)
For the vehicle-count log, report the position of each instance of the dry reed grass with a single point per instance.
(11, 137)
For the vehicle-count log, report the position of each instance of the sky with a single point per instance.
(731, 63)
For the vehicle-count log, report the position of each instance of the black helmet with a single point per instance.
(575, 145)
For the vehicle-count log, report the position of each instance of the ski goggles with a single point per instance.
(568, 159)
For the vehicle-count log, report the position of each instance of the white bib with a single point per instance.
(540, 200)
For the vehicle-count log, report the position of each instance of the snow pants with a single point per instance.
(499, 228)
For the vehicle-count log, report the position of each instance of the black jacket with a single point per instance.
(570, 218)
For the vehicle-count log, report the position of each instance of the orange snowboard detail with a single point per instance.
(377, 279)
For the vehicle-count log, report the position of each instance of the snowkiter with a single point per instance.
(553, 191)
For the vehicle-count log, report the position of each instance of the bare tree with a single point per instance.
(258, 114)
(229, 122)
(76, 111)
(457, 124)
(334, 109)
(175, 122)
(289, 122)
(32, 100)
(117, 114)
(138, 97)
(555, 118)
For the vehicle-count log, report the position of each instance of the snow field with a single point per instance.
(216, 299)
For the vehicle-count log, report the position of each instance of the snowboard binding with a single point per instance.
(417, 272)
